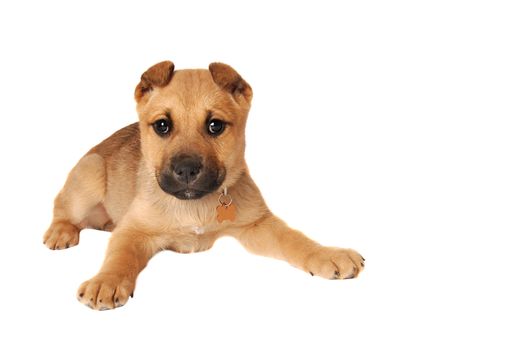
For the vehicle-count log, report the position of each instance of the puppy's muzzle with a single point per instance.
(189, 176)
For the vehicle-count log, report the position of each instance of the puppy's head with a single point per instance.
(192, 127)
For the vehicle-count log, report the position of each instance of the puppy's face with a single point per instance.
(192, 127)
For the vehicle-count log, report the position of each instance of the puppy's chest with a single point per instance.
(195, 219)
(196, 225)
(197, 229)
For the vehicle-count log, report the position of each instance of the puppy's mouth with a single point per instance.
(189, 193)
(185, 191)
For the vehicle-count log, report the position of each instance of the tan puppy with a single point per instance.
(178, 180)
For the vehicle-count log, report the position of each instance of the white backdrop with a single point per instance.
(392, 127)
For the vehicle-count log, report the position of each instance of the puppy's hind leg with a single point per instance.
(82, 194)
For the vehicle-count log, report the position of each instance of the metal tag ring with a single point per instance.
(225, 199)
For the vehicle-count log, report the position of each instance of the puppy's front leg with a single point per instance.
(270, 236)
(128, 253)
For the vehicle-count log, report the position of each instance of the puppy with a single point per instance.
(178, 180)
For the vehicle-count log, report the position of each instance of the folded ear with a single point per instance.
(157, 76)
(229, 80)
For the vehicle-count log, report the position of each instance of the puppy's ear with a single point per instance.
(228, 79)
(157, 76)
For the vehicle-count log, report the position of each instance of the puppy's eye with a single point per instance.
(162, 126)
(215, 127)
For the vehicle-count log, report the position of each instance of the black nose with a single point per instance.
(186, 168)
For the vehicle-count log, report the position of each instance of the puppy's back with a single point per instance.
(122, 154)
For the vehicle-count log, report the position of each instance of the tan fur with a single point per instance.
(114, 187)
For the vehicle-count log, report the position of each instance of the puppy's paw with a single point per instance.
(334, 263)
(61, 235)
(105, 291)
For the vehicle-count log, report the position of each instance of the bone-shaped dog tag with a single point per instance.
(225, 212)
